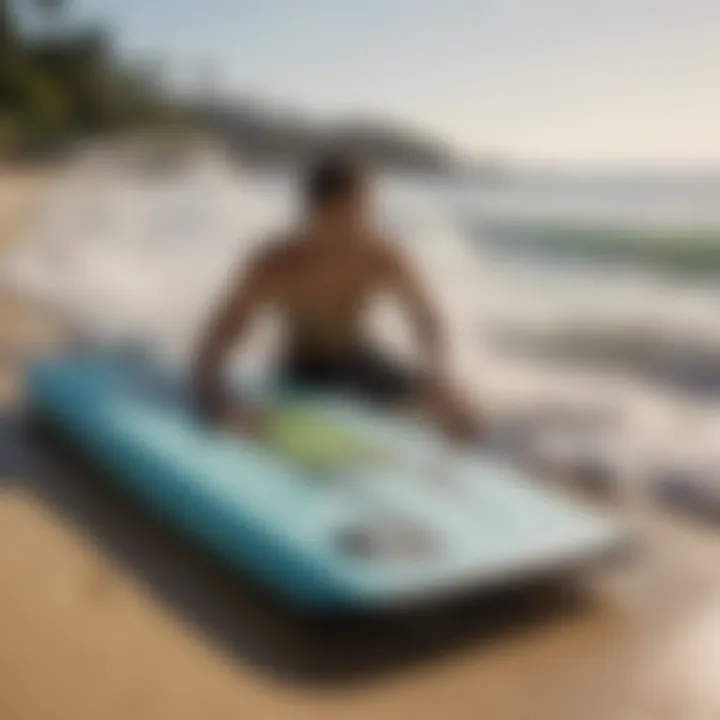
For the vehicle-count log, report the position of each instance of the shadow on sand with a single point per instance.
(248, 623)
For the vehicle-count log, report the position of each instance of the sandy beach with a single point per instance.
(103, 614)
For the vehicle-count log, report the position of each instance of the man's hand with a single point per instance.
(248, 420)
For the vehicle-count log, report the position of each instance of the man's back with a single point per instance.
(320, 280)
(322, 289)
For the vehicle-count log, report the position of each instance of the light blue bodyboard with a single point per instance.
(308, 534)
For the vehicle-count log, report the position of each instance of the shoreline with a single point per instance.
(25, 327)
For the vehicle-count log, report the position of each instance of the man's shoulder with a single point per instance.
(385, 250)
(276, 252)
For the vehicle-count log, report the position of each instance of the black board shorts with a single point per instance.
(362, 372)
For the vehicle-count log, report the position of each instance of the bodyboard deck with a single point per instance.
(389, 515)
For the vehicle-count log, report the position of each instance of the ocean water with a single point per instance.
(592, 297)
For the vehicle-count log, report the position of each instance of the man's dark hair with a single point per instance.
(330, 178)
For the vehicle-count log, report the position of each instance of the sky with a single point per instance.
(608, 82)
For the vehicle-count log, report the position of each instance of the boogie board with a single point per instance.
(343, 508)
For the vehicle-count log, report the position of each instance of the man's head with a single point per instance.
(336, 191)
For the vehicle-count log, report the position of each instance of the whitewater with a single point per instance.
(550, 288)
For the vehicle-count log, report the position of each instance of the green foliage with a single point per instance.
(64, 85)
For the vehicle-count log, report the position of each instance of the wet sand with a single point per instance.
(106, 614)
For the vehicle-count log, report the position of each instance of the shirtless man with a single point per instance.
(320, 279)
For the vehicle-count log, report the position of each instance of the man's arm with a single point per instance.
(405, 283)
(228, 325)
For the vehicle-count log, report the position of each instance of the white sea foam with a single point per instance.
(126, 256)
